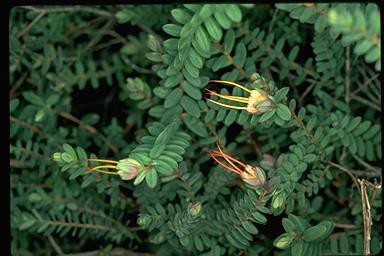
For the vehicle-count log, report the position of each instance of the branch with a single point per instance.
(55, 246)
(115, 252)
(366, 102)
(367, 165)
(345, 169)
(347, 73)
(28, 125)
(366, 216)
(135, 67)
(27, 28)
(77, 8)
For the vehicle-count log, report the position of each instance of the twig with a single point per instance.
(99, 34)
(27, 28)
(367, 165)
(366, 102)
(15, 163)
(55, 246)
(347, 73)
(135, 67)
(115, 252)
(346, 225)
(366, 216)
(89, 128)
(17, 84)
(77, 8)
(307, 90)
(345, 169)
(301, 124)
(28, 125)
(77, 225)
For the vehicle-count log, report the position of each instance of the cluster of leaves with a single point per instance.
(127, 82)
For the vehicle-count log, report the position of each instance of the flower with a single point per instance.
(128, 168)
(253, 176)
(258, 101)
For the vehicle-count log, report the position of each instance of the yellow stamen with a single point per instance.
(104, 166)
(225, 105)
(104, 161)
(228, 97)
(231, 83)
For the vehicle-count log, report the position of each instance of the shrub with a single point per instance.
(195, 129)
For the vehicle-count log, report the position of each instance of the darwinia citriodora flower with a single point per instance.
(258, 101)
(127, 168)
(254, 176)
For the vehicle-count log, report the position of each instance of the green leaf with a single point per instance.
(202, 39)
(33, 98)
(283, 112)
(321, 23)
(280, 94)
(373, 54)
(27, 224)
(69, 149)
(190, 106)
(233, 12)
(82, 156)
(293, 53)
(213, 29)
(181, 16)
(249, 227)
(173, 98)
(319, 232)
(363, 46)
(267, 115)
(139, 178)
(195, 58)
(231, 117)
(151, 178)
(13, 104)
(222, 19)
(240, 56)
(196, 126)
(172, 29)
(192, 91)
(259, 218)
(298, 248)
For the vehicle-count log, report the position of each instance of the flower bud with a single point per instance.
(128, 168)
(256, 180)
(259, 102)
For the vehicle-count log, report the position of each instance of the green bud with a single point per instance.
(278, 199)
(57, 157)
(144, 220)
(283, 241)
(195, 209)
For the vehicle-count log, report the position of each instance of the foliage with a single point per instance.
(113, 145)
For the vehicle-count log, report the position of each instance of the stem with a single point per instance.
(366, 217)
(87, 127)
